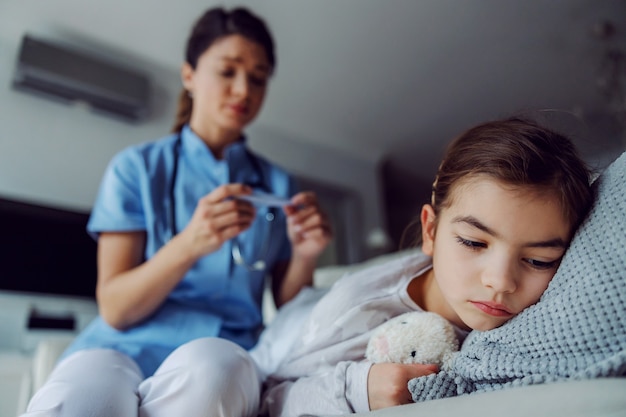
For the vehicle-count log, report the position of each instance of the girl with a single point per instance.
(506, 201)
(182, 256)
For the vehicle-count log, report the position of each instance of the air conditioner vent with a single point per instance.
(67, 75)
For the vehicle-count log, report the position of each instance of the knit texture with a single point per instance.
(577, 330)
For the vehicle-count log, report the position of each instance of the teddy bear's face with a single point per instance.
(417, 337)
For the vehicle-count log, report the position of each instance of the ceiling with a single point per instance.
(388, 79)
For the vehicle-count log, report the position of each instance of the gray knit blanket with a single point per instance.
(577, 330)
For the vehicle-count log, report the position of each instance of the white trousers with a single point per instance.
(205, 377)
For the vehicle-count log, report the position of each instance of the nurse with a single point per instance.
(183, 253)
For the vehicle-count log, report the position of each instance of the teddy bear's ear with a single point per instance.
(378, 349)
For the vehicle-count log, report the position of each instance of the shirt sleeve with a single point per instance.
(118, 205)
(342, 390)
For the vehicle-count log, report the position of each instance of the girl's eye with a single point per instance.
(473, 245)
(541, 265)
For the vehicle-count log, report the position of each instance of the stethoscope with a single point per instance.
(258, 265)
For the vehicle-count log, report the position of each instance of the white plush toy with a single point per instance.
(415, 337)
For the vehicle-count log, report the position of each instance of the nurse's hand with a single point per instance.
(218, 218)
(308, 226)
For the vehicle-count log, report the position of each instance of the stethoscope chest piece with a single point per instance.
(238, 259)
(260, 264)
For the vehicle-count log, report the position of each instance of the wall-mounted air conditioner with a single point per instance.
(68, 75)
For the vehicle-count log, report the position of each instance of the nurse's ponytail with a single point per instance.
(213, 25)
(183, 111)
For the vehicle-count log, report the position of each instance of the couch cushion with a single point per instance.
(587, 398)
(577, 330)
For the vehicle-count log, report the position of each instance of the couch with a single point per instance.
(564, 355)
(568, 373)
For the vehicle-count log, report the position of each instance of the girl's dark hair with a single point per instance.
(518, 152)
(521, 153)
(214, 24)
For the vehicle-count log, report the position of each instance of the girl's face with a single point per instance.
(228, 84)
(495, 250)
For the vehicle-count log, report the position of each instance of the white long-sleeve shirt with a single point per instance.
(325, 371)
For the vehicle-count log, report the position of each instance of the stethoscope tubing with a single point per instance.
(237, 256)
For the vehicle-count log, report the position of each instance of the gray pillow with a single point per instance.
(577, 330)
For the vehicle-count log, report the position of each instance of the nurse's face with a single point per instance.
(228, 84)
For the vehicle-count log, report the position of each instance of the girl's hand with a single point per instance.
(218, 218)
(308, 227)
(387, 383)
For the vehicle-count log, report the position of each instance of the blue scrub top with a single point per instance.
(216, 296)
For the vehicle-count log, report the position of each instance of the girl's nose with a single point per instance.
(500, 275)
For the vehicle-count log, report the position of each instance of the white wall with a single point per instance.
(360, 177)
(55, 153)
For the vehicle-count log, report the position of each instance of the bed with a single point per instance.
(565, 373)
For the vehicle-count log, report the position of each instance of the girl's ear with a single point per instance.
(186, 76)
(427, 218)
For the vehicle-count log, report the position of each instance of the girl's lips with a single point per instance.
(491, 308)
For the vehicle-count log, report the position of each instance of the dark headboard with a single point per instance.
(45, 250)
